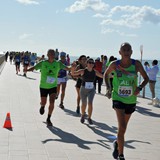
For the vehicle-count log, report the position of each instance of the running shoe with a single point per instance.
(49, 123)
(56, 96)
(61, 106)
(121, 157)
(78, 110)
(82, 119)
(90, 121)
(115, 151)
(41, 110)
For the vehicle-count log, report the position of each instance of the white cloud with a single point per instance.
(95, 5)
(27, 2)
(119, 16)
(25, 36)
(132, 17)
(109, 30)
(99, 15)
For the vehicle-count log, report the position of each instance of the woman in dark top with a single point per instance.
(87, 90)
(81, 65)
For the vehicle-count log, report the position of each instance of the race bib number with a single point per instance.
(26, 62)
(89, 85)
(125, 91)
(17, 60)
(50, 80)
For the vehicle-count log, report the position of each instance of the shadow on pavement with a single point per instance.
(67, 137)
(147, 112)
(127, 143)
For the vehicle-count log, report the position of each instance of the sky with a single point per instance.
(90, 27)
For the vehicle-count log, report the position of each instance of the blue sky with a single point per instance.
(91, 27)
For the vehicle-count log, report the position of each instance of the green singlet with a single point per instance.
(49, 73)
(124, 83)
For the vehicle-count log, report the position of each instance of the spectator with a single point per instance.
(152, 74)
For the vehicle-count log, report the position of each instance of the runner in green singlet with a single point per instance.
(124, 92)
(48, 83)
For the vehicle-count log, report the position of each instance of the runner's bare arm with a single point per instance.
(29, 69)
(109, 69)
(99, 74)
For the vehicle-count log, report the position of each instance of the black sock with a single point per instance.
(121, 155)
(49, 116)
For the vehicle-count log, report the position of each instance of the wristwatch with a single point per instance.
(140, 87)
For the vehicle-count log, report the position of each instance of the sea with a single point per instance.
(147, 92)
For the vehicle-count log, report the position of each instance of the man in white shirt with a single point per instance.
(152, 74)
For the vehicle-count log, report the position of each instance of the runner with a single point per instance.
(48, 84)
(62, 80)
(124, 92)
(87, 90)
(81, 65)
(17, 59)
(26, 61)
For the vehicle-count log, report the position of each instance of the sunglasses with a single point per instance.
(91, 62)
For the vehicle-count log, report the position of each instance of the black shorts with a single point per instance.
(129, 108)
(45, 92)
(17, 63)
(78, 83)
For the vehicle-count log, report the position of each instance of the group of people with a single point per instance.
(123, 87)
(25, 58)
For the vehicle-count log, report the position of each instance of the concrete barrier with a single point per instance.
(2, 62)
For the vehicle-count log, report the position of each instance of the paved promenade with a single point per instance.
(30, 139)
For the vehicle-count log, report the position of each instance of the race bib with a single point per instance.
(17, 60)
(26, 62)
(125, 91)
(50, 80)
(89, 85)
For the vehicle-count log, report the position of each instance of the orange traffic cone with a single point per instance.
(7, 123)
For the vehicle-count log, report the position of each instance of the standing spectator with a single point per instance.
(124, 93)
(98, 67)
(48, 84)
(152, 74)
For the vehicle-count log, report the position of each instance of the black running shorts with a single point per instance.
(129, 108)
(45, 92)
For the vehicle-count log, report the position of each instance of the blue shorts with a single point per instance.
(128, 108)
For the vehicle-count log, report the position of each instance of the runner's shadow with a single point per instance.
(67, 137)
(26, 77)
(104, 126)
(127, 143)
(101, 133)
(97, 129)
(146, 112)
(71, 113)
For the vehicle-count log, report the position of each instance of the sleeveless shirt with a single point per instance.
(124, 83)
